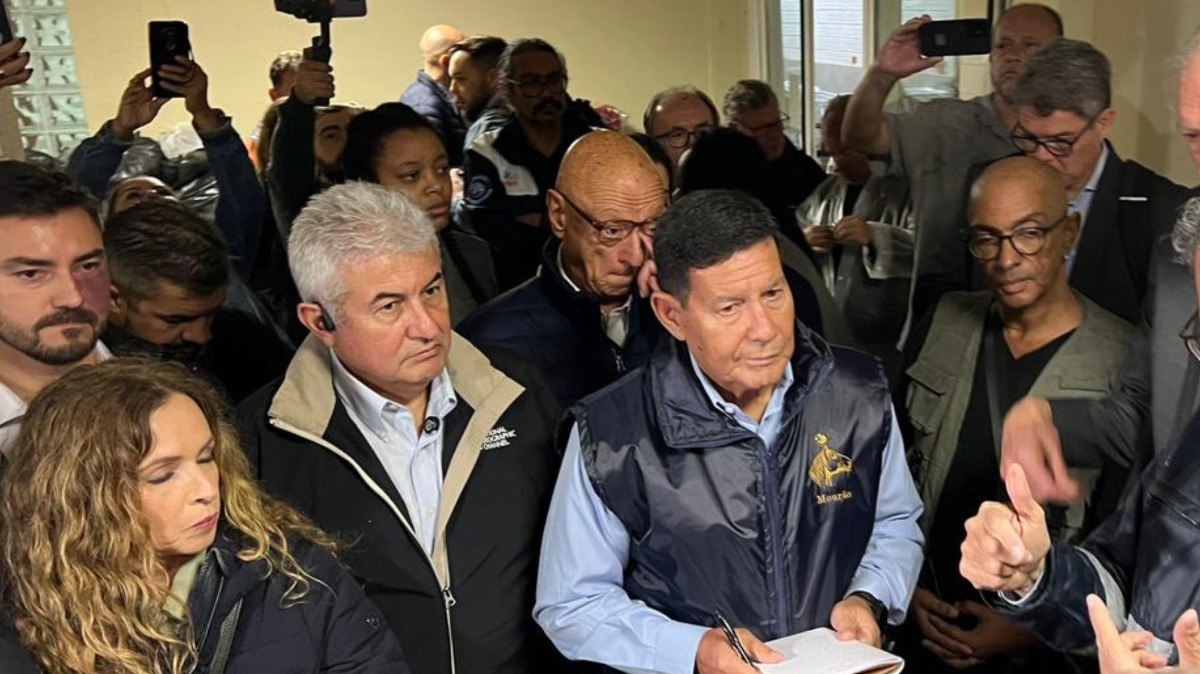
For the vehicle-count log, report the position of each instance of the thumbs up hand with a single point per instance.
(1007, 544)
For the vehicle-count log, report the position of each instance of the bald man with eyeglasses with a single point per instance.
(581, 320)
(1029, 333)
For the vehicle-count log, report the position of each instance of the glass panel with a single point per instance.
(839, 52)
(50, 105)
(790, 86)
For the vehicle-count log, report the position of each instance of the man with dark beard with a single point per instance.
(53, 286)
(507, 170)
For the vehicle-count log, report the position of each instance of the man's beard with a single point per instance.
(30, 342)
(124, 343)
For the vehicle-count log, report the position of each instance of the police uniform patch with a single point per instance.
(478, 190)
(828, 470)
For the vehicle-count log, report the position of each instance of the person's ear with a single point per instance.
(117, 306)
(556, 213)
(669, 311)
(1105, 122)
(444, 61)
(313, 317)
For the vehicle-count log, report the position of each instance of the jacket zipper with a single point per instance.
(773, 529)
(774, 526)
(448, 600)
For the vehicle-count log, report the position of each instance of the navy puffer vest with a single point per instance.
(771, 537)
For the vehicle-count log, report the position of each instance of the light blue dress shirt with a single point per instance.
(412, 458)
(581, 601)
(1082, 204)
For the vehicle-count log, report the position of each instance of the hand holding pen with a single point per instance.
(725, 650)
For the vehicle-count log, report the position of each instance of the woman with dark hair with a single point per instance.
(136, 541)
(397, 148)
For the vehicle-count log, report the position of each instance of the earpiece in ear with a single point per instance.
(325, 320)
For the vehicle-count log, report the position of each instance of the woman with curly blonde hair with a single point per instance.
(135, 540)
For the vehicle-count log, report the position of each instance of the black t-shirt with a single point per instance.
(974, 475)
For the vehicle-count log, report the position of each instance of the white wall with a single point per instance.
(618, 51)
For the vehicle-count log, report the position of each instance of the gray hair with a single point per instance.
(1185, 237)
(348, 224)
(747, 95)
(1067, 75)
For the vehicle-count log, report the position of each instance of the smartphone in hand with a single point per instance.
(168, 39)
(955, 38)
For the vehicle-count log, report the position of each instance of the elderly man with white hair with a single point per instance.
(1137, 571)
(400, 437)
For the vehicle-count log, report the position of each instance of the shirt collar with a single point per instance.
(374, 410)
(730, 409)
(12, 408)
(1098, 171)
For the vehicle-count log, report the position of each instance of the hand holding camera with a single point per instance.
(314, 81)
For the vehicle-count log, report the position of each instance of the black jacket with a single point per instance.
(505, 179)
(545, 321)
(472, 600)
(435, 104)
(334, 628)
(468, 270)
(1142, 559)
(1157, 393)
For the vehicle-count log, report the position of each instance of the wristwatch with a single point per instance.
(878, 610)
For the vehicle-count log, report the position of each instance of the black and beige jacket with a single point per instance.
(467, 608)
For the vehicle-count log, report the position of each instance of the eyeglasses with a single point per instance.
(533, 86)
(1055, 145)
(1191, 336)
(1026, 241)
(769, 127)
(612, 232)
(678, 138)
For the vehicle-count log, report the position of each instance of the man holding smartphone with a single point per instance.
(935, 144)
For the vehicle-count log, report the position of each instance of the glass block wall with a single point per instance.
(50, 105)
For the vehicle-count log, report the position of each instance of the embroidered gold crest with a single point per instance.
(829, 468)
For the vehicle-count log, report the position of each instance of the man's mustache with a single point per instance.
(68, 317)
(549, 104)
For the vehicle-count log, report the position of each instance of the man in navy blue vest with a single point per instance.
(749, 469)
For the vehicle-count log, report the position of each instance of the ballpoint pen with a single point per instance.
(734, 641)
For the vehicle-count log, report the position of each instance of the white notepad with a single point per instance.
(819, 651)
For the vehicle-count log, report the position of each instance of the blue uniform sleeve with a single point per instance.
(890, 566)
(96, 160)
(581, 601)
(241, 202)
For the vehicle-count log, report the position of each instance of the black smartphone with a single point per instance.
(6, 27)
(955, 38)
(168, 39)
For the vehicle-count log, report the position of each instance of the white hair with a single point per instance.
(346, 225)
(1185, 237)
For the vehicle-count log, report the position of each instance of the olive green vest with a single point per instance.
(1085, 366)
